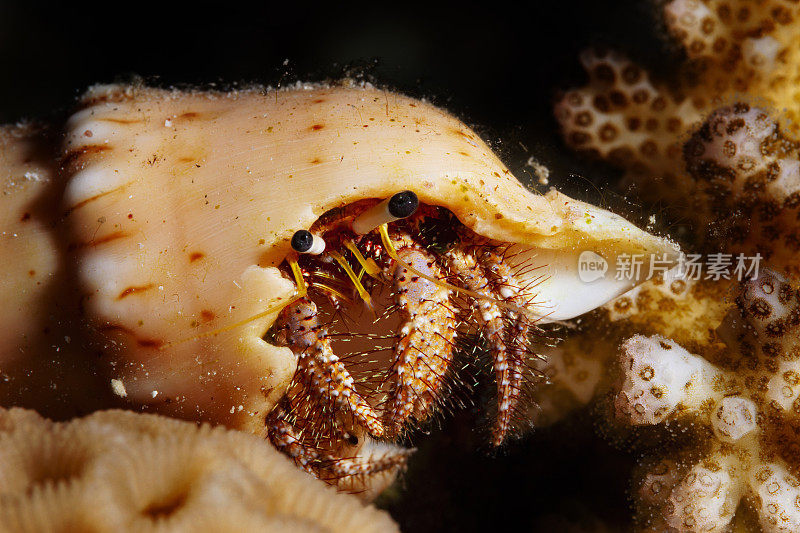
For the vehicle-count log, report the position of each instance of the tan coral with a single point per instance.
(672, 304)
(732, 184)
(746, 173)
(743, 182)
(744, 410)
(735, 49)
(120, 471)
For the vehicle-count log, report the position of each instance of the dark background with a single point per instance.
(498, 67)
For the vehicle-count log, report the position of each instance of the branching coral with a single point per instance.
(746, 175)
(676, 307)
(719, 144)
(734, 49)
(744, 409)
(120, 471)
(737, 183)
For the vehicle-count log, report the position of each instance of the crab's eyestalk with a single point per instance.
(400, 205)
(305, 242)
(213, 308)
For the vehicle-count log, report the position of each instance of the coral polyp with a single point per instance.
(746, 173)
(705, 361)
(734, 50)
(743, 405)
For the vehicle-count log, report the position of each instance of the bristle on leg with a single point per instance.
(424, 351)
(320, 370)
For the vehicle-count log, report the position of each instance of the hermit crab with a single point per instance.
(306, 264)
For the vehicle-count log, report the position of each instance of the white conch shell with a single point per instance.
(182, 204)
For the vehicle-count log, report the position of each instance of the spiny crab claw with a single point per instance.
(182, 207)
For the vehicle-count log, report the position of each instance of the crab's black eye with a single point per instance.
(305, 242)
(400, 205)
(302, 241)
(403, 204)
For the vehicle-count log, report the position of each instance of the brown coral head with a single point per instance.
(770, 305)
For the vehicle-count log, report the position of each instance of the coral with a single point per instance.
(745, 172)
(730, 174)
(734, 49)
(716, 383)
(120, 471)
(743, 409)
(670, 305)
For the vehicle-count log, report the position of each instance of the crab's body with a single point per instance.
(179, 210)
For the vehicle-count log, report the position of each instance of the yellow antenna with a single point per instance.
(333, 291)
(369, 266)
(353, 277)
(298, 278)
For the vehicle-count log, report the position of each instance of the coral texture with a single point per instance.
(746, 176)
(120, 471)
(670, 305)
(744, 407)
(707, 367)
(730, 174)
(734, 49)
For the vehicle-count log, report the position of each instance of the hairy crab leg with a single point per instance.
(492, 320)
(509, 372)
(424, 351)
(319, 369)
(283, 436)
(286, 437)
(345, 467)
(483, 270)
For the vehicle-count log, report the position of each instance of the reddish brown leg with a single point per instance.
(319, 369)
(424, 351)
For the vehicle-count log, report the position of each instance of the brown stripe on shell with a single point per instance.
(96, 197)
(72, 156)
(134, 290)
(118, 328)
(120, 120)
(116, 235)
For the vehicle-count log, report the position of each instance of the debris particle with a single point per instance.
(539, 170)
(118, 388)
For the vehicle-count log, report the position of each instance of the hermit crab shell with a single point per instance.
(182, 204)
